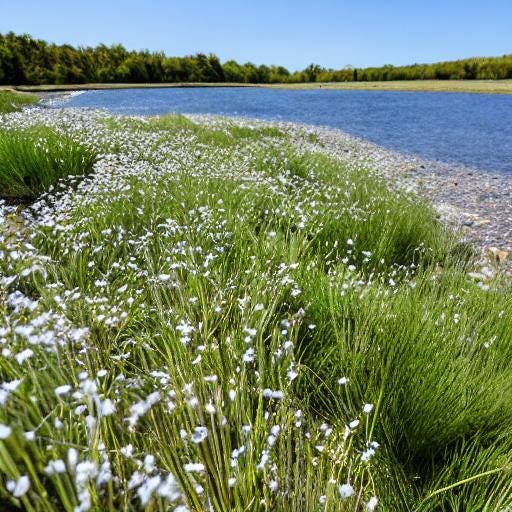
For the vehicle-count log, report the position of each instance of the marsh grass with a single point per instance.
(33, 160)
(222, 314)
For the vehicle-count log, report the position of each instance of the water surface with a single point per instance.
(469, 129)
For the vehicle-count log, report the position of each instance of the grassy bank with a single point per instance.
(219, 320)
(471, 86)
(12, 101)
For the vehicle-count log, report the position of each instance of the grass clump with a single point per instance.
(33, 160)
(360, 221)
(175, 125)
(14, 101)
(247, 327)
(425, 353)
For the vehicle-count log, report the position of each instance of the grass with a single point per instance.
(32, 161)
(221, 321)
(173, 125)
(11, 101)
(428, 357)
(471, 86)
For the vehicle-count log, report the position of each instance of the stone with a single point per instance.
(497, 255)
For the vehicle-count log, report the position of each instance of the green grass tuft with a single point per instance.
(32, 161)
(14, 101)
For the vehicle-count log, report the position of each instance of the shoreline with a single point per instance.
(455, 86)
(100, 87)
(476, 202)
(445, 86)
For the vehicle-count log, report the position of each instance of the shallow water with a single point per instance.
(469, 129)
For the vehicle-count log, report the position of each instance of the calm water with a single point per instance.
(469, 129)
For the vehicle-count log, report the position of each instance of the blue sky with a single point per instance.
(293, 33)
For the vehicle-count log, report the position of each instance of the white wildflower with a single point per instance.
(135, 480)
(248, 356)
(62, 390)
(23, 356)
(353, 424)
(371, 505)
(169, 489)
(146, 490)
(199, 435)
(194, 467)
(29, 436)
(346, 491)
(85, 471)
(55, 466)
(72, 458)
(20, 487)
(107, 407)
(367, 408)
(127, 451)
(5, 431)
(149, 464)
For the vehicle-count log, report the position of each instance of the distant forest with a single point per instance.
(25, 60)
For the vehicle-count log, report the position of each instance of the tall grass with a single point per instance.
(246, 327)
(31, 161)
(432, 355)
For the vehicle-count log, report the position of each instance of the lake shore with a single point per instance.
(476, 202)
(461, 86)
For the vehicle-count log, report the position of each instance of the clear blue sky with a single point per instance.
(293, 33)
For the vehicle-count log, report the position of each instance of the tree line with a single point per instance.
(28, 61)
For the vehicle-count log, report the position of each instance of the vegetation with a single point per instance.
(24, 60)
(482, 68)
(477, 68)
(216, 320)
(14, 101)
(471, 86)
(32, 161)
